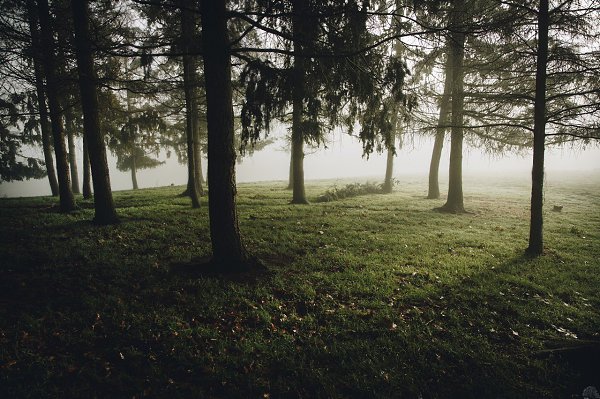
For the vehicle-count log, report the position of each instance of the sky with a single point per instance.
(341, 159)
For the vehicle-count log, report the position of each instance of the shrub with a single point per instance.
(350, 190)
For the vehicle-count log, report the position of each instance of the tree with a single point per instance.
(104, 206)
(87, 172)
(228, 250)
(320, 40)
(190, 82)
(13, 164)
(41, 97)
(433, 191)
(567, 98)
(540, 84)
(454, 202)
(67, 201)
(134, 131)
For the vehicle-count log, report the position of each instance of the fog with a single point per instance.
(342, 158)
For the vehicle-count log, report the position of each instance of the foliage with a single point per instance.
(13, 164)
(343, 81)
(373, 296)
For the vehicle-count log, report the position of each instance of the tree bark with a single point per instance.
(189, 85)
(104, 206)
(536, 237)
(41, 98)
(67, 200)
(298, 193)
(132, 151)
(228, 250)
(133, 164)
(69, 124)
(197, 147)
(455, 202)
(87, 172)
(388, 184)
(436, 155)
(290, 185)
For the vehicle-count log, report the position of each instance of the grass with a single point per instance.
(373, 296)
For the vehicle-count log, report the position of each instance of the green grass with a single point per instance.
(373, 296)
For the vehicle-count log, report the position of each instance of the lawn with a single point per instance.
(371, 296)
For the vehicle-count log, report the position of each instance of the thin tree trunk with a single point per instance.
(41, 98)
(536, 236)
(298, 193)
(132, 152)
(201, 177)
(436, 155)
(87, 172)
(189, 66)
(228, 249)
(197, 149)
(67, 200)
(104, 206)
(388, 184)
(134, 170)
(72, 150)
(455, 202)
(291, 173)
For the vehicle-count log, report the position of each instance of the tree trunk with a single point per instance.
(72, 149)
(388, 184)
(134, 170)
(197, 147)
(41, 98)
(87, 172)
(436, 155)
(67, 201)
(454, 202)
(201, 178)
(228, 249)
(291, 173)
(133, 148)
(536, 237)
(104, 206)
(298, 193)
(189, 84)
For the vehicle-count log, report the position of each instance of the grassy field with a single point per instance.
(373, 296)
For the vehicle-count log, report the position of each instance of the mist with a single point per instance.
(341, 158)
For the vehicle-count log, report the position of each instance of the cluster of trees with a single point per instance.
(194, 76)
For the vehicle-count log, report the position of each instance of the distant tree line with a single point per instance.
(211, 77)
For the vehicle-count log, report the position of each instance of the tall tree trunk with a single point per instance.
(104, 206)
(291, 172)
(133, 148)
(41, 97)
(454, 202)
(70, 125)
(536, 237)
(87, 172)
(436, 155)
(189, 84)
(67, 200)
(298, 193)
(198, 163)
(228, 248)
(388, 183)
(197, 147)
(134, 170)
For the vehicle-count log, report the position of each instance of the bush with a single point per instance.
(350, 190)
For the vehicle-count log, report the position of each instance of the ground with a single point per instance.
(372, 296)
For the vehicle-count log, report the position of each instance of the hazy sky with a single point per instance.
(342, 159)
